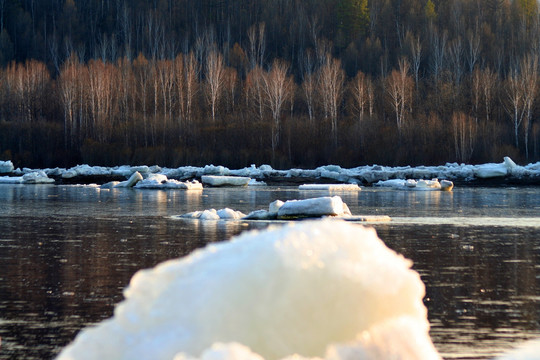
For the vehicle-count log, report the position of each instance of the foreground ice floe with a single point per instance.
(317, 289)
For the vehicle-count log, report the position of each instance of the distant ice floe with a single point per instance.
(315, 289)
(325, 206)
(222, 176)
(222, 180)
(330, 187)
(153, 181)
(35, 177)
(420, 185)
(159, 181)
(6, 167)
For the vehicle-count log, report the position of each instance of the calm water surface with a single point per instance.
(66, 253)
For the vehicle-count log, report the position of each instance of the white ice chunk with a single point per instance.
(6, 167)
(261, 215)
(192, 215)
(230, 214)
(210, 214)
(231, 351)
(428, 185)
(486, 171)
(37, 177)
(417, 185)
(11, 179)
(274, 206)
(447, 185)
(313, 207)
(133, 179)
(330, 187)
(528, 350)
(394, 183)
(316, 288)
(160, 181)
(213, 180)
(254, 182)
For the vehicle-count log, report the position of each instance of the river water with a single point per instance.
(66, 253)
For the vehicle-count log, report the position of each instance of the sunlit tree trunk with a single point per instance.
(278, 87)
(214, 80)
(331, 78)
(399, 89)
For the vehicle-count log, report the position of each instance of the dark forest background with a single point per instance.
(291, 83)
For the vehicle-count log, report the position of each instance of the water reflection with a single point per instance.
(66, 253)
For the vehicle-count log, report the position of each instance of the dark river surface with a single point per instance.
(66, 253)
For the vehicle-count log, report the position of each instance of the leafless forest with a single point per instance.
(283, 82)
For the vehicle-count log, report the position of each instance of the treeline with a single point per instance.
(290, 83)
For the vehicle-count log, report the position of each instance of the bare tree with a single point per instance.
(473, 48)
(142, 75)
(455, 51)
(278, 87)
(214, 80)
(359, 93)
(399, 88)
(529, 71)
(331, 78)
(192, 70)
(254, 91)
(437, 55)
(308, 83)
(483, 90)
(180, 88)
(464, 129)
(68, 92)
(231, 86)
(257, 44)
(415, 50)
(521, 88)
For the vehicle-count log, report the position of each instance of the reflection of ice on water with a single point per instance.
(292, 289)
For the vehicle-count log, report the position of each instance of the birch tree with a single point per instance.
(331, 78)
(278, 88)
(214, 80)
(399, 90)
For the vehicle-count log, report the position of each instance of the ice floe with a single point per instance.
(221, 180)
(222, 176)
(159, 181)
(420, 185)
(312, 289)
(330, 187)
(34, 177)
(213, 214)
(289, 210)
(6, 167)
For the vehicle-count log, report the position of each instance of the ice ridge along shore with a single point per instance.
(507, 171)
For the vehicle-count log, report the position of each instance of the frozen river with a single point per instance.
(66, 253)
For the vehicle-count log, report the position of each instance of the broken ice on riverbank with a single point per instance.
(34, 177)
(368, 174)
